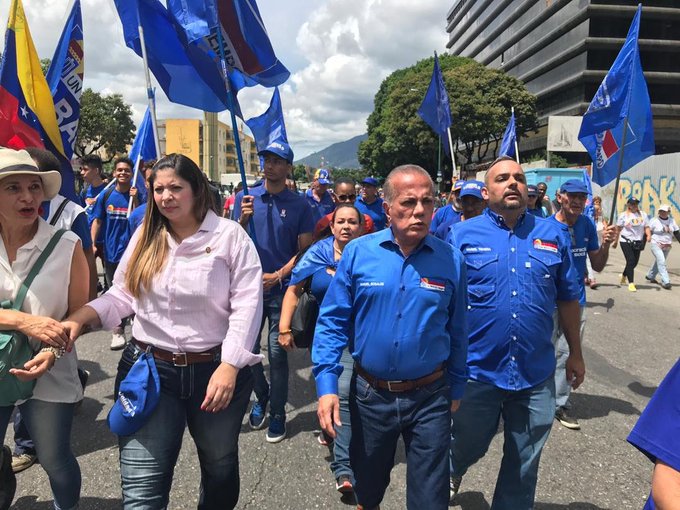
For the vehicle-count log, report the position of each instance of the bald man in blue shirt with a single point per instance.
(519, 268)
(398, 300)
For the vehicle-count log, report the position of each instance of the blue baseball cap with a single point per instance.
(323, 176)
(370, 181)
(281, 149)
(532, 190)
(574, 186)
(458, 185)
(138, 396)
(472, 189)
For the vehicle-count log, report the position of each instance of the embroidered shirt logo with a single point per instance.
(431, 284)
(282, 213)
(540, 244)
(371, 284)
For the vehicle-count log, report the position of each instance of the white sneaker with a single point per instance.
(117, 341)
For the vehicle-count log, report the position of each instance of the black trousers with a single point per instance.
(632, 258)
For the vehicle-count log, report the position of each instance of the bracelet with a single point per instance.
(278, 275)
(57, 351)
(285, 331)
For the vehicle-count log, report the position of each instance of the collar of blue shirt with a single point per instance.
(500, 221)
(387, 239)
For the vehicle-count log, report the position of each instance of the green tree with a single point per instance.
(105, 123)
(480, 100)
(300, 172)
(45, 65)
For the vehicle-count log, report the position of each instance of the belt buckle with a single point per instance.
(179, 359)
(390, 383)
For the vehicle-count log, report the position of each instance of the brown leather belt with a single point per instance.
(399, 386)
(181, 359)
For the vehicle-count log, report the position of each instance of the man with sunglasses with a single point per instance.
(344, 192)
(581, 234)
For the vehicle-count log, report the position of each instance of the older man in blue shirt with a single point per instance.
(398, 300)
(370, 203)
(283, 226)
(519, 268)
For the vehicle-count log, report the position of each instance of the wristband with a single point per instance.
(285, 331)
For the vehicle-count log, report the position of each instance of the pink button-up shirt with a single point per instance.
(209, 293)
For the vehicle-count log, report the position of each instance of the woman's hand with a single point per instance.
(34, 367)
(73, 330)
(286, 341)
(45, 329)
(220, 388)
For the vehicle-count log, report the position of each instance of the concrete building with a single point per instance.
(562, 49)
(210, 144)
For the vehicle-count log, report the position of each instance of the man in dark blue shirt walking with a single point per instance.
(398, 300)
(519, 268)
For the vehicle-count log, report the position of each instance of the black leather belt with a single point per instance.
(399, 386)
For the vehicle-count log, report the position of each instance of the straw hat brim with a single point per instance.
(51, 180)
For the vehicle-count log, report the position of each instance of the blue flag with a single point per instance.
(65, 78)
(143, 148)
(435, 109)
(269, 127)
(246, 44)
(622, 95)
(509, 139)
(185, 72)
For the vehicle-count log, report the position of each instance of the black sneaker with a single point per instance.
(566, 419)
(651, 280)
(666, 286)
(454, 486)
(344, 484)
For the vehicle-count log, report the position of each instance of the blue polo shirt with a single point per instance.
(442, 215)
(92, 192)
(136, 218)
(443, 230)
(538, 212)
(401, 317)
(279, 219)
(582, 238)
(515, 278)
(374, 210)
(322, 208)
(113, 215)
(657, 432)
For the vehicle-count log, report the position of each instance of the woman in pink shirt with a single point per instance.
(193, 281)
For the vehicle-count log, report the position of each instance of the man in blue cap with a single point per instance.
(283, 227)
(370, 203)
(533, 203)
(519, 268)
(581, 234)
(450, 211)
(472, 204)
(318, 197)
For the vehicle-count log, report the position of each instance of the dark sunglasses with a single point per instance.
(346, 197)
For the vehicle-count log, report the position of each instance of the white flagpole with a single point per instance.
(453, 154)
(134, 181)
(512, 111)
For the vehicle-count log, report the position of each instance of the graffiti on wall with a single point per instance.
(652, 192)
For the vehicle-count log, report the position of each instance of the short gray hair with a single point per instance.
(388, 187)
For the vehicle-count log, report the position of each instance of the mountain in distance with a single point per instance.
(338, 155)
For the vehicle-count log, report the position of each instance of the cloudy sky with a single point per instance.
(338, 52)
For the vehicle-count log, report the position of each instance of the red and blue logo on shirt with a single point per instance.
(431, 284)
(540, 244)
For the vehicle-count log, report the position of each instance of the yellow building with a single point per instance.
(209, 143)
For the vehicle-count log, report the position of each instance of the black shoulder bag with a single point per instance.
(303, 323)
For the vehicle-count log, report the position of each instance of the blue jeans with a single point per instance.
(527, 418)
(278, 361)
(659, 265)
(421, 418)
(340, 464)
(148, 457)
(49, 424)
(562, 386)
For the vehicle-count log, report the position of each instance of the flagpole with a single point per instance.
(149, 90)
(618, 173)
(134, 181)
(453, 154)
(512, 111)
(439, 157)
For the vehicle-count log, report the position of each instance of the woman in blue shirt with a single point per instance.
(319, 263)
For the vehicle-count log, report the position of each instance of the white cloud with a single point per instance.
(338, 51)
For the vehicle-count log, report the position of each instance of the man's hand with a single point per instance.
(220, 388)
(269, 280)
(455, 404)
(576, 370)
(609, 234)
(133, 191)
(247, 209)
(329, 413)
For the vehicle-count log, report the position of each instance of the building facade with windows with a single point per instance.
(562, 49)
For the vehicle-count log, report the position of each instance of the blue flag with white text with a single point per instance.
(435, 109)
(65, 78)
(245, 40)
(144, 149)
(509, 139)
(185, 72)
(269, 127)
(622, 95)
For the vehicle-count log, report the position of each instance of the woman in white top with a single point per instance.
(60, 287)
(633, 233)
(662, 229)
(194, 282)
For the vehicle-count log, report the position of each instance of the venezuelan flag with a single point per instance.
(27, 114)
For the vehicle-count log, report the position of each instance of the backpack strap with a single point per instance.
(37, 266)
(57, 213)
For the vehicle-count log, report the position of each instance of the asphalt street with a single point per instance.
(632, 339)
